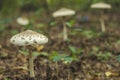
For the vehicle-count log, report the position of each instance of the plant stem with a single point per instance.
(31, 65)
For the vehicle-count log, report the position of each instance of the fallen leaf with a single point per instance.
(39, 48)
(108, 73)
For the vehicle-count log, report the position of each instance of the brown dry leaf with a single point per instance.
(114, 74)
(0, 46)
(108, 74)
(39, 48)
(21, 68)
(1, 76)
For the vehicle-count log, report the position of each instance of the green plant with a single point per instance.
(118, 58)
(7, 79)
(13, 31)
(104, 56)
(68, 59)
(99, 54)
(118, 42)
(2, 28)
(75, 52)
(70, 23)
(90, 34)
(56, 57)
(34, 53)
(3, 55)
(95, 49)
(53, 23)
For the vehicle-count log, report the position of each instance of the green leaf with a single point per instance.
(88, 33)
(72, 49)
(14, 31)
(68, 60)
(7, 79)
(58, 58)
(44, 54)
(70, 23)
(54, 53)
(2, 28)
(95, 49)
(24, 52)
(35, 54)
(118, 42)
(40, 25)
(104, 56)
(53, 23)
(118, 58)
(79, 50)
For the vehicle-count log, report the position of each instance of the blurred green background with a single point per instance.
(12, 7)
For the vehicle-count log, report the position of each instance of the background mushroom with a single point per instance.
(101, 6)
(62, 13)
(22, 21)
(29, 39)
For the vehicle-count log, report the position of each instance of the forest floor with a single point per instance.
(98, 59)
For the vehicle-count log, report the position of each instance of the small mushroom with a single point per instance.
(101, 6)
(22, 21)
(29, 39)
(62, 13)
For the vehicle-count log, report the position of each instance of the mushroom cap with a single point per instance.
(22, 21)
(28, 37)
(101, 5)
(63, 12)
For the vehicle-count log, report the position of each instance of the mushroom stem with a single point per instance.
(102, 22)
(65, 35)
(31, 65)
(102, 25)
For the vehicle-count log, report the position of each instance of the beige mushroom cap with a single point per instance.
(63, 12)
(101, 5)
(28, 37)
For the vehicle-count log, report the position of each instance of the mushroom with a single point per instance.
(22, 21)
(101, 6)
(62, 13)
(29, 39)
